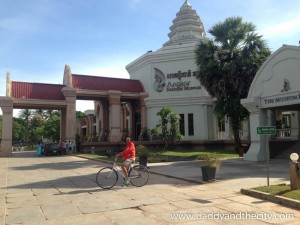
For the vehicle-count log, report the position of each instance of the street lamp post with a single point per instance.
(294, 172)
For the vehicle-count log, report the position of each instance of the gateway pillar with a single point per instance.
(114, 116)
(6, 105)
(69, 115)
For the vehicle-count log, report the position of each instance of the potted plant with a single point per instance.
(154, 134)
(143, 154)
(210, 163)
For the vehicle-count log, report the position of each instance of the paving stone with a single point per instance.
(41, 192)
(101, 206)
(152, 200)
(158, 208)
(27, 214)
(176, 196)
(237, 207)
(36, 223)
(70, 195)
(2, 210)
(123, 214)
(61, 210)
(140, 221)
(85, 219)
(188, 204)
(252, 201)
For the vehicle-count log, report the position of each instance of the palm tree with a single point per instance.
(227, 65)
(50, 113)
(26, 114)
(40, 113)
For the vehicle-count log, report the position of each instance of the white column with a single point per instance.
(258, 117)
(294, 125)
(143, 110)
(207, 125)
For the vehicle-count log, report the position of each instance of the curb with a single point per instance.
(152, 172)
(273, 198)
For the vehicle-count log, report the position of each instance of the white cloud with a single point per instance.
(285, 28)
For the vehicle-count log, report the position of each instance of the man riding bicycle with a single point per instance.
(129, 157)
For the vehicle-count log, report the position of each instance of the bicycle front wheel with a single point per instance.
(139, 175)
(107, 177)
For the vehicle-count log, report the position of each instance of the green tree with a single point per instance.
(51, 128)
(26, 115)
(169, 127)
(80, 114)
(40, 113)
(36, 125)
(19, 131)
(227, 65)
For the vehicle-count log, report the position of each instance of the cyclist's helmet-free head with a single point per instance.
(128, 139)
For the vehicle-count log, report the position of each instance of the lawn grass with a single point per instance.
(170, 156)
(194, 154)
(93, 156)
(281, 190)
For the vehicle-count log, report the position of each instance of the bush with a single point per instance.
(142, 151)
(210, 160)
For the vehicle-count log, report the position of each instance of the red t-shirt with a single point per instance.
(129, 152)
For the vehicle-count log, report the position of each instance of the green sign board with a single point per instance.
(266, 130)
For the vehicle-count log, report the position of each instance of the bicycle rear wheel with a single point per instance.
(107, 177)
(139, 175)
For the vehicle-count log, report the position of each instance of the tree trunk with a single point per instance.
(235, 124)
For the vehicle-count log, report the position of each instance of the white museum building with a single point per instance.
(169, 78)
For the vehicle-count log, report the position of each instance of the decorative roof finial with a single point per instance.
(8, 84)
(67, 76)
(186, 4)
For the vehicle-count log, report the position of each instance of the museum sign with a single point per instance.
(281, 100)
(160, 81)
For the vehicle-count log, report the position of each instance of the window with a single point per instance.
(94, 130)
(221, 125)
(191, 124)
(286, 121)
(181, 124)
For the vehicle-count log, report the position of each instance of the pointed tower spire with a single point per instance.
(187, 26)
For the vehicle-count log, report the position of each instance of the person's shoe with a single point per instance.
(126, 182)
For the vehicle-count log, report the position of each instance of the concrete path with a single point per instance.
(62, 190)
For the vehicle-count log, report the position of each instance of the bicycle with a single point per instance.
(107, 177)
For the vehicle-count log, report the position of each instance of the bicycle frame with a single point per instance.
(117, 167)
(107, 177)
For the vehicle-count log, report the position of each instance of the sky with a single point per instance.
(100, 37)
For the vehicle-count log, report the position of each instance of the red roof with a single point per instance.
(37, 91)
(106, 83)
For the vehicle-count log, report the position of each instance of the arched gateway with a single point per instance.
(274, 100)
(109, 94)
